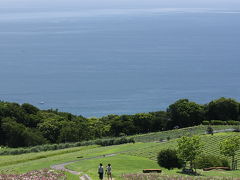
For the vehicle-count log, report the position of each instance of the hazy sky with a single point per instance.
(106, 4)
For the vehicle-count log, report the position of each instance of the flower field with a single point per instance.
(43, 174)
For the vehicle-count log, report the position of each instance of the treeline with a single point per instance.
(26, 125)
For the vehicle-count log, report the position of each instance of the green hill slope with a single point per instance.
(126, 158)
(211, 146)
(176, 133)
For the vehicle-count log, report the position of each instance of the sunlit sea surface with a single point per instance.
(94, 63)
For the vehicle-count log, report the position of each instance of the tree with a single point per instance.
(98, 127)
(30, 109)
(189, 148)
(229, 147)
(168, 158)
(159, 120)
(68, 132)
(17, 135)
(223, 109)
(184, 113)
(50, 128)
(143, 121)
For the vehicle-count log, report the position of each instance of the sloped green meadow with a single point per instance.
(125, 159)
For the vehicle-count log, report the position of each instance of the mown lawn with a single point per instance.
(125, 164)
(34, 161)
(121, 164)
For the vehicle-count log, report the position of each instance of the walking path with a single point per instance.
(223, 130)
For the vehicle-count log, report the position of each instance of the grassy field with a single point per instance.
(125, 159)
(145, 157)
(122, 164)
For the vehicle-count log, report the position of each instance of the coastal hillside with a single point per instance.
(128, 160)
(24, 125)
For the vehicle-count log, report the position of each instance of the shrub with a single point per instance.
(34, 149)
(232, 122)
(122, 134)
(206, 161)
(77, 144)
(206, 123)
(218, 122)
(131, 140)
(209, 130)
(109, 142)
(168, 159)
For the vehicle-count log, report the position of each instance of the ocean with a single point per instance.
(95, 63)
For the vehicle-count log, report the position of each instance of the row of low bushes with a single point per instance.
(169, 159)
(45, 147)
(49, 147)
(109, 142)
(219, 122)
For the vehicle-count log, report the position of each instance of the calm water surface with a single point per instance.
(121, 63)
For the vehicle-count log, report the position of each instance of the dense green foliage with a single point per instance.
(206, 161)
(221, 122)
(223, 109)
(189, 148)
(229, 148)
(25, 125)
(168, 158)
(184, 113)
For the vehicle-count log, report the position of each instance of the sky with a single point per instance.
(116, 4)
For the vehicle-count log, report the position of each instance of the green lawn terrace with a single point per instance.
(211, 146)
(176, 133)
(125, 159)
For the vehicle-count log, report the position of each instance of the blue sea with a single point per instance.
(94, 63)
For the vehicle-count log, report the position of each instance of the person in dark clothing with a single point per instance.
(100, 171)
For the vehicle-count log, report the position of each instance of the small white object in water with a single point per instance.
(42, 102)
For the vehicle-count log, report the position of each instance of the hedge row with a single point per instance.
(219, 122)
(49, 147)
(109, 142)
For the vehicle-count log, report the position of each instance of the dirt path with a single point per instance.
(223, 130)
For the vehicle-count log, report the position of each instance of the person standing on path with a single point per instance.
(100, 171)
(109, 171)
